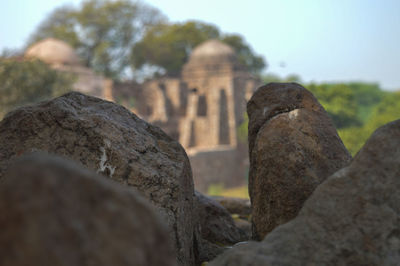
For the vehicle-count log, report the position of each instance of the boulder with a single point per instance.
(54, 212)
(238, 206)
(217, 229)
(293, 147)
(216, 223)
(112, 141)
(353, 218)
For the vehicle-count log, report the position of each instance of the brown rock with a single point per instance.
(216, 223)
(353, 218)
(293, 148)
(217, 229)
(109, 139)
(55, 212)
(239, 206)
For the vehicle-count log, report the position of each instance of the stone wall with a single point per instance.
(224, 165)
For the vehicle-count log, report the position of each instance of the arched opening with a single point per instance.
(202, 106)
(224, 136)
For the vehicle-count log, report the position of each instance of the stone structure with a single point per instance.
(61, 56)
(202, 108)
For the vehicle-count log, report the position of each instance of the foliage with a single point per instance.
(339, 101)
(168, 46)
(220, 190)
(25, 82)
(102, 31)
(387, 110)
(254, 63)
(243, 129)
(271, 77)
(356, 108)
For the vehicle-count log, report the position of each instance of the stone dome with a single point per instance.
(53, 51)
(212, 50)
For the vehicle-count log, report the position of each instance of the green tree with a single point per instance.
(102, 31)
(254, 63)
(387, 110)
(339, 101)
(25, 82)
(271, 77)
(166, 47)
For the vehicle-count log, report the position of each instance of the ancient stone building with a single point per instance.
(202, 109)
(61, 56)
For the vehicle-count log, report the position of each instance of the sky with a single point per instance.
(319, 40)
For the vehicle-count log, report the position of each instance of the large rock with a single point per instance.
(217, 229)
(238, 206)
(353, 218)
(111, 140)
(293, 147)
(216, 223)
(54, 212)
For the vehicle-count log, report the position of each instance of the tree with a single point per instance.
(254, 63)
(271, 77)
(25, 82)
(166, 47)
(339, 101)
(102, 31)
(387, 110)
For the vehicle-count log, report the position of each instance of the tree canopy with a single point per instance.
(166, 47)
(26, 82)
(102, 31)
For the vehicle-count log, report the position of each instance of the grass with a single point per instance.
(236, 192)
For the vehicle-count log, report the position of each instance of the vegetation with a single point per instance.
(166, 47)
(101, 31)
(115, 37)
(357, 109)
(220, 190)
(25, 82)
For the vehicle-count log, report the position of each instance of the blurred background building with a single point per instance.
(202, 108)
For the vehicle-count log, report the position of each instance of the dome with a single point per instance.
(212, 50)
(53, 51)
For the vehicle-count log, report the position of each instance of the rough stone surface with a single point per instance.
(217, 229)
(111, 140)
(55, 212)
(239, 206)
(216, 223)
(353, 218)
(293, 147)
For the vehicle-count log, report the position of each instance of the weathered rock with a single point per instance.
(293, 147)
(109, 139)
(216, 223)
(217, 229)
(239, 206)
(353, 218)
(207, 251)
(244, 225)
(55, 212)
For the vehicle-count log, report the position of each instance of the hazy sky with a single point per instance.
(320, 40)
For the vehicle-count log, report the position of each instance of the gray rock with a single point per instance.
(55, 212)
(109, 139)
(217, 229)
(353, 218)
(293, 147)
(216, 223)
(239, 206)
